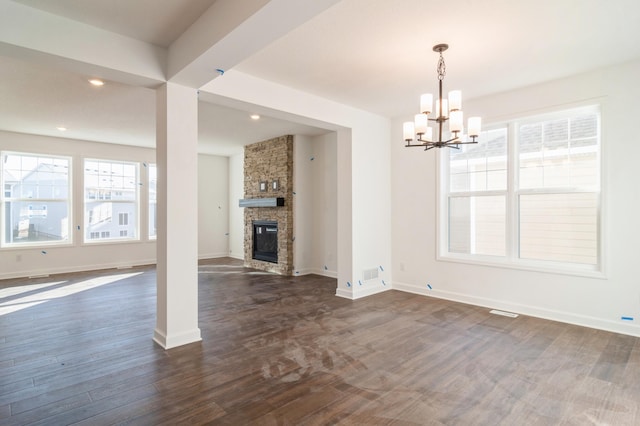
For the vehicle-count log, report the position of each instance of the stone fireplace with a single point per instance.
(268, 176)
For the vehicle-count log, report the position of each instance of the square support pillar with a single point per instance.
(177, 243)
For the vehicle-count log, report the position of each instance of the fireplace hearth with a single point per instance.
(265, 240)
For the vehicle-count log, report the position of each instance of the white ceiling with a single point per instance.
(159, 23)
(372, 54)
(377, 54)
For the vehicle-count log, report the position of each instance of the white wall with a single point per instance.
(236, 213)
(325, 212)
(315, 205)
(303, 205)
(213, 206)
(29, 261)
(594, 302)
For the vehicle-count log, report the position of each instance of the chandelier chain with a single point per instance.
(442, 69)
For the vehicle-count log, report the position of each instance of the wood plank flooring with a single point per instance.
(77, 349)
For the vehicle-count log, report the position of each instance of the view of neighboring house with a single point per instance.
(37, 191)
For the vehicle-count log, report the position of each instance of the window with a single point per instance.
(111, 191)
(36, 199)
(478, 195)
(528, 194)
(123, 219)
(153, 200)
(123, 233)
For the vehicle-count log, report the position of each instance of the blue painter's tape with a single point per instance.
(43, 252)
(429, 285)
(144, 164)
(348, 284)
(293, 239)
(226, 233)
(294, 192)
(626, 318)
(359, 282)
(78, 227)
(381, 268)
(325, 268)
(383, 283)
(312, 158)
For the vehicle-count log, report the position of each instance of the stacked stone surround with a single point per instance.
(268, 161)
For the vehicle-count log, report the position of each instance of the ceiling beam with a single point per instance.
(231, 31)
(29, 33)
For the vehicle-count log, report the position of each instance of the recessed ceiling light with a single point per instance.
(96, 82)
(62, 128)
(255, 117)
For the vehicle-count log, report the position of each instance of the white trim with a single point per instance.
(347, 294)
(82, 268)
(137, 202)
(178, 339)
(355, 293)
(202, 256)
(523, 265)
(512, 193)
(620, 326)
(315, 271)
(69, 201)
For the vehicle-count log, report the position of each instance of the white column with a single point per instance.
(177, 270)
(346, 279)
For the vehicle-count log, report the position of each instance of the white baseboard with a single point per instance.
(358, 293)
(533, 311)
(176, 339)
(322, 272)
(80, 268)
(212, 256)
(345, 293)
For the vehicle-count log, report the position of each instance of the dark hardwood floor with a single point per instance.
(77, 348)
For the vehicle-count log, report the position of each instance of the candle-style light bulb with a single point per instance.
(408, 131)
(455, 121)
(421, 122)
(426, 103)
(475, 125)
(455, 100)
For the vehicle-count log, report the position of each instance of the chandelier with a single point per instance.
(447, 110)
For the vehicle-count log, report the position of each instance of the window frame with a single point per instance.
(107, 196)
(69, 241)
(152, 202)
(512, 258)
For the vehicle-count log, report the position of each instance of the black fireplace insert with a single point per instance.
(265, 240)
